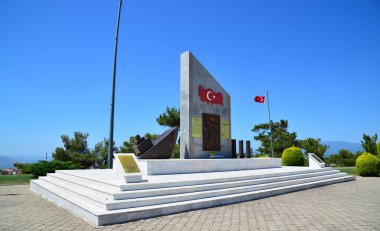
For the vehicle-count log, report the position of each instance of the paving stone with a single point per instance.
(352, 205)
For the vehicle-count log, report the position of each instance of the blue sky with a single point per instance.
(320, 61)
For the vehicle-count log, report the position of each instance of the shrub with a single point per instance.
(263, 157)
(25, 168)
(368, 165)
(43, 167)
(292, 157)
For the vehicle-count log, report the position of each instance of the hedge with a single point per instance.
(368, 165)
(41, 168)
(292, 157)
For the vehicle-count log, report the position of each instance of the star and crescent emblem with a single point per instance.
(209, 96)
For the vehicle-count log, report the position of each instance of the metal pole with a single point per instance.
(110, 144)
(270, 125)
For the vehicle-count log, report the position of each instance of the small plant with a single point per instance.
(292, 157)
(368, 165)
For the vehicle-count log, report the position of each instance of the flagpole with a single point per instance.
(110, 143)
(270, 125)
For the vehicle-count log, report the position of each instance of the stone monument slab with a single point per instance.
(203, 100)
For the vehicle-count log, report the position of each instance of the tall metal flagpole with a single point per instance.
(270, 125)
(110, 144)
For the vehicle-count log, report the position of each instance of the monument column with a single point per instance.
(205, 112)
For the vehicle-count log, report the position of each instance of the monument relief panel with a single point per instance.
(211, 132)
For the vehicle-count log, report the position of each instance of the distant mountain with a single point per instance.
(335, 146)
(7, 162)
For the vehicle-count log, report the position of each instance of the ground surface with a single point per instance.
(348, 170)
(15, 179)
(352, 205)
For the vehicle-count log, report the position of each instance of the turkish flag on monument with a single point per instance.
(260, 99)
(209, 96)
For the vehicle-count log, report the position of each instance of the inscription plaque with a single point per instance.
(211, 132)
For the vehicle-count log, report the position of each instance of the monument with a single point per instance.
(145, 184)
(205, 113)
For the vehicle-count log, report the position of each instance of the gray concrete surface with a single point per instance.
(353, 205)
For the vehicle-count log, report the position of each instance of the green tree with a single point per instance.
(378, 149)
(311, 145)
(75, 149)
(170, 118)
(101, 152)
(61, 154)
(152, 136)
(369, 143)
(282, 138)
(176, 152)
(78, 144)
(127, 145)
(344, 158)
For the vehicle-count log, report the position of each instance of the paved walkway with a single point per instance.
(353, 205)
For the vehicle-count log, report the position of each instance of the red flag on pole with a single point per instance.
(260, 99)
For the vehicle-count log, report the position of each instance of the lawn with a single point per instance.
(348, 170)
(15, 179)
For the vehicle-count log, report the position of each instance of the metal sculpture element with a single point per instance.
(248, 149)
(162, 147)
(142, 145)
(233, 149)
(241, 149)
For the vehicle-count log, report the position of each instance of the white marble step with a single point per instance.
(213, 186)
(92, 196)
(210, 178)
(109, 200)
(104, 194)
(79, 207)
(97, 217)
(154, 200)
(42, 182)
(104, 185)
(178, 180)
(91, 185)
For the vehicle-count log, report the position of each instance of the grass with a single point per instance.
(348, 170)
(15, 179)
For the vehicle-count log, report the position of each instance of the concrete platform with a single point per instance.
(100, 199)
(180, 166)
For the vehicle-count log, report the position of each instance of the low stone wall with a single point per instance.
(183, 166)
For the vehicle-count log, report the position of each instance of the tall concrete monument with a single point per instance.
(205, 112)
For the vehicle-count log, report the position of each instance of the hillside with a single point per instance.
(335, 146)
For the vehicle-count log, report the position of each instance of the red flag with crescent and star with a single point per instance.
(260, 99)
(209, 96)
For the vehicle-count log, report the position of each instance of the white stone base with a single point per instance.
(100, 198)
(182, 166)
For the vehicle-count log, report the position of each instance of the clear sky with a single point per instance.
(320, 61)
